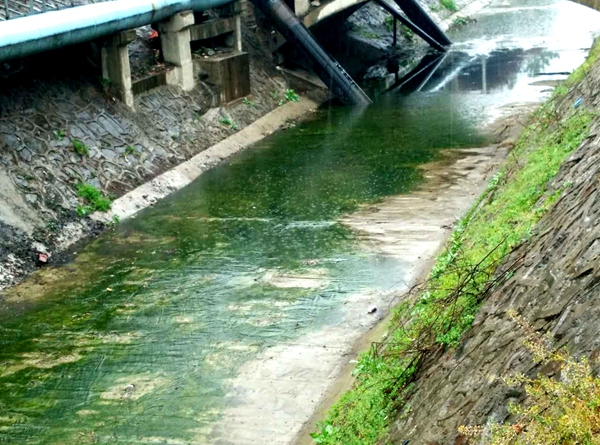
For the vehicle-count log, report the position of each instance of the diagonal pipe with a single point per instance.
(328, 70)
(420, 18)
(395, 11)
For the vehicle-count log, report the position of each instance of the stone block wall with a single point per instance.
(556, 288)
(49, 102)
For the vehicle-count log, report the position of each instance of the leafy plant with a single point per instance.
(129, 150)
(407, 33)
(367, 34)
(59, 134)
(449, 5)
(84, 210)
(460, 22)
(274, 94)
(248, 103)
(388, 22)
(226, 120)
(94, 200)
(113, 221)
(563, 411)
(80, 148)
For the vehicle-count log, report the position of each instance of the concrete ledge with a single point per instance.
(212, 28)
(150, 82)
(327, 10)
(231, 72)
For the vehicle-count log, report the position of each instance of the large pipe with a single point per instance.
(328, 70)
(51, 30)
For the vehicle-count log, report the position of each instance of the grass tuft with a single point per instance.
(94, 200)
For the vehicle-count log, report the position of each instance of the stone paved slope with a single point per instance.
(556, 288)
(48, 101)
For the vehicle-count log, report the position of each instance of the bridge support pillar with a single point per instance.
(301, 7)
(115, 66)
(175, 40)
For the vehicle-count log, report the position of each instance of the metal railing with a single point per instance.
(12, 9)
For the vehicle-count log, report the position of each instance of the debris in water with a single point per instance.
(372, 309)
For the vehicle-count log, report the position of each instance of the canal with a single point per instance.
(222, 314)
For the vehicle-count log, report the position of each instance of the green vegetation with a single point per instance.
(405, 31)
(288, 96)
(460, 22)
(564, 411)
(367, 34)
(291, 96)
(80, 148)
(94, 200)
(59, 134)
(388, 21)
(226, 120)
(437, 313)
(248, 103)
(449, 5)
(129, 150)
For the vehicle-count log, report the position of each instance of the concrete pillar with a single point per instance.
(175, 40)
(115, 66)
(301, 7)
(237, 34)
(235, 11)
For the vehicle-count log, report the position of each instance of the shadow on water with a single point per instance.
(462, 72)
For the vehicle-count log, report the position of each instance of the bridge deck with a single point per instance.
(12, 9)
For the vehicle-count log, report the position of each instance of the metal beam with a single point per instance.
(420, 18)
(394, 10)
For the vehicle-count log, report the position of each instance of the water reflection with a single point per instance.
(462, 72)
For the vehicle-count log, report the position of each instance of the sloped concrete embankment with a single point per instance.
(556, 288)
(47, 105)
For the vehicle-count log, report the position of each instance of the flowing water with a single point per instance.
(138, 339)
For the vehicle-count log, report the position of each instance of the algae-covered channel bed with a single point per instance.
(136, 339)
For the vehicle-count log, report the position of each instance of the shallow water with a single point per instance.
(136, 339)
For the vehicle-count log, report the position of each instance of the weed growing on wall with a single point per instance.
(449, 5)
(79, 147)
(558, 411)
(94, 200)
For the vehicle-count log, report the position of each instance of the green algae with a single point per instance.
(136, 342)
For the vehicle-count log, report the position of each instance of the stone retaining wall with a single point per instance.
(556, 289)
(50, 102)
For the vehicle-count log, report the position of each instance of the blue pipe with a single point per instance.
(51, 30)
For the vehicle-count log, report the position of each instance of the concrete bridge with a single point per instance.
(30, 26)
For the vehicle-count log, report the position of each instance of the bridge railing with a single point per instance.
(12, 9)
